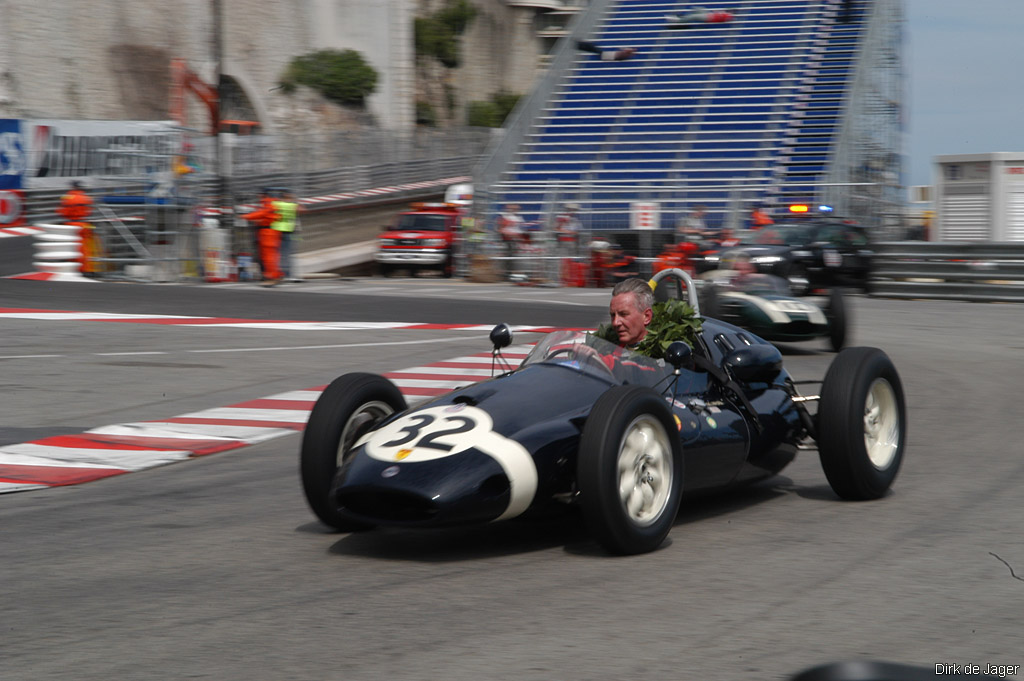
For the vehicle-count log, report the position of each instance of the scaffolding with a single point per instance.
(151, 235)
(864, 180)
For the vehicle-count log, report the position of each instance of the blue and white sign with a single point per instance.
(13, 157)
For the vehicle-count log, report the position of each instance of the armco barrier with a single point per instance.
(981, 272)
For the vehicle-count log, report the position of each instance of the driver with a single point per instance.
(631, 311)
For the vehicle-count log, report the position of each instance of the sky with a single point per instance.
(964, 64)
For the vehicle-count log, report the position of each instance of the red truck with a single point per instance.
(421, 238)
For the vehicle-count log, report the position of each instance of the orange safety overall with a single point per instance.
(76, 207)
(267, 239)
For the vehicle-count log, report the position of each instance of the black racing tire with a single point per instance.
(605, 458)
(346, 409)
(837, 315)
(861, 423)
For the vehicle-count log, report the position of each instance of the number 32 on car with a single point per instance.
(438, 432)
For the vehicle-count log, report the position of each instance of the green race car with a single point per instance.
(763, 304)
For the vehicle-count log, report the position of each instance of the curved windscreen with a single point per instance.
(585, 352)
(761, 285)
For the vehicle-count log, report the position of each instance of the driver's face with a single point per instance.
(629, 322)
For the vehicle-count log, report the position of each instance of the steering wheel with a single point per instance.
(589, 355)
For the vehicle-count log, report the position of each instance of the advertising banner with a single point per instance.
(59, 151)
(13, 154)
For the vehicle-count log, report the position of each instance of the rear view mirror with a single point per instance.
(501, 336)
(678, 353)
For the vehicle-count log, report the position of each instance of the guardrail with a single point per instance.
(981, 272)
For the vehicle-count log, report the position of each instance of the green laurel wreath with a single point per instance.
(673, 320)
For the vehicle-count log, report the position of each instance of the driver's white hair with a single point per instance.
(644, 296)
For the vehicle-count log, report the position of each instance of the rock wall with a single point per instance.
(108, 59)
(500, 53)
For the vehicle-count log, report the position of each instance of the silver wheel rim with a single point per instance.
(881, 424)
(645, 470)
(367, 414)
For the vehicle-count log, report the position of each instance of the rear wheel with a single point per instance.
(862, 423)
(837, 315)
(630, 470)
(350, 406)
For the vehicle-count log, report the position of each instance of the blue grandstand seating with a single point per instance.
(755, 102)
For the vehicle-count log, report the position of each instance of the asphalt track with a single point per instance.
(214, 568)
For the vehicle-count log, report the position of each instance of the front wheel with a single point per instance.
(630, 470)
(862, 424)
(349, 407)
(837, 319)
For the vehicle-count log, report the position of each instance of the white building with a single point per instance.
(980, 197)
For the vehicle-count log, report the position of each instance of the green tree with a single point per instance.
(340, 76)
(491, 114)
(504, 102)
(482, 115)
(425, 113)
(437, 35)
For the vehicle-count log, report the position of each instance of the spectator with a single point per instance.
(694, 226)
(510, 228)
(606, 55)
(621, 266)
(759, 218)
(698, 16)
(568, 228)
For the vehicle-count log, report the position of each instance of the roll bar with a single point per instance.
(691, 290)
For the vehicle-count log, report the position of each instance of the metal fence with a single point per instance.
(541, 256)
(151, 228)
(609, 205)
(982, 272)
(310, 165)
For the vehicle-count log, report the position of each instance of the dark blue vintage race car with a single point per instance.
(583, 422)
